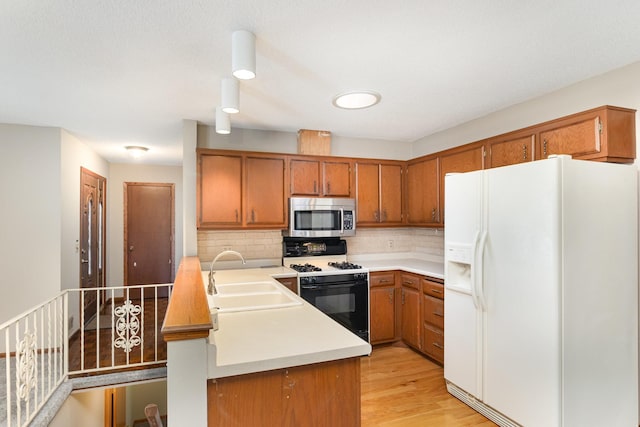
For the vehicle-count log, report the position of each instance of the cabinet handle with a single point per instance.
(253, 216)
(384, 281)
(390, 296)
(433, 215)
(328, 187)
(435, 344)
(402, 299)
(435, 313)
(524, 151)
(376, 215)
(544, 147)
(315, 187)
(436, 291)
(236, 215)
(384, 215)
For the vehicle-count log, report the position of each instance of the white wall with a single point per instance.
(82, 408)
(30, 187)
(287, 142)
(620, 87)
(118, 175)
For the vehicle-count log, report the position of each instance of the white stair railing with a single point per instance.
(36, 356)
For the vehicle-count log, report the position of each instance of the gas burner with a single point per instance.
(345, 265)
(304, 268)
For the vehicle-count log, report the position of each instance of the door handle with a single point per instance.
(130, 248)
(84, 261)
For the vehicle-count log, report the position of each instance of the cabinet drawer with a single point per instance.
(432, 288)
(434, 342)
(410, 280)
(433, 311)
(382, 279)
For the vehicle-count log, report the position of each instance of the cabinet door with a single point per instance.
(219, 191)
(411, 324)
(390, 194)
(460, 161)
(265, 195)
(290, 282)
(336, 179)
(511, 151)
(382, 326)
(304, 177)
(367, 193)
(422, 193)
(579, 138)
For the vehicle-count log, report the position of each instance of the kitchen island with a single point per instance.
(280, 366)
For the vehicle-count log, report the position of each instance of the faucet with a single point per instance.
(211, 289)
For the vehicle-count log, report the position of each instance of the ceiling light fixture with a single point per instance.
(223, 124)
(136, 151)
(230, 95)
(357, 99)
(243, 54)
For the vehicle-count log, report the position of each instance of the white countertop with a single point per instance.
(409, 262)
(261, 340)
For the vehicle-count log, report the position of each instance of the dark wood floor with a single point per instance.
(149, 353)
(402, 388)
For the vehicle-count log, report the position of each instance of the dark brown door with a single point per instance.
(92, 242)
(148, 233)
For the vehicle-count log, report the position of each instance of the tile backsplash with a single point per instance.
(261, 244)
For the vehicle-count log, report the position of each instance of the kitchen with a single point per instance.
(614, 87)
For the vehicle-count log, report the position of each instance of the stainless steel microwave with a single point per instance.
(322, 217)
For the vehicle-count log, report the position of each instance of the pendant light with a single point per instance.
(243, 54)
(223, 124)
(230, 95)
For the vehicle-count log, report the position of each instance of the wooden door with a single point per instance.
(115, 407)
(336, 179)
(468, 160)
(148, 233)
(391, 193)
(582, 137)
(265, 192)
(367, 193)
(382, 314)
(92, 243)
(511, 151)
(219, 191)
(422, 193)
(304, 176)
(411, 324)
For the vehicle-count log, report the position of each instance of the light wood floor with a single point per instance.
(402, 388)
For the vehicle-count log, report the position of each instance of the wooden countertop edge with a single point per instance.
(188, 311)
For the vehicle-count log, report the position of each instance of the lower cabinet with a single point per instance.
(382, 307)
(410, 302)
(290, 282)
(433, 319)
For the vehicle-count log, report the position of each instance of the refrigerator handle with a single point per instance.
(474, 295)
(479, 280)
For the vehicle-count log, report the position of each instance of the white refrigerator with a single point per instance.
(541, 293)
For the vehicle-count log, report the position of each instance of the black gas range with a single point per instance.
(338, 288)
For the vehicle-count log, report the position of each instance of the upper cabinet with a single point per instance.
(320, 177)
(379, 193)
(240, 190)
(423, 207)
(462, 159)
(605, 134)
(510, 149)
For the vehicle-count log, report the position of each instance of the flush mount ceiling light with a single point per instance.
(230, 95)
(136, 151)
(243, 54)
(223, 124)
(357, 99)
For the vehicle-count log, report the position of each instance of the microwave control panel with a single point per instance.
(347, 220)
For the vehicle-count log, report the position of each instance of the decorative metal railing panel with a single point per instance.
(34, 360)
(119, 329)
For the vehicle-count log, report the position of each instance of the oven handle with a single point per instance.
(341, 221)
(348, 285)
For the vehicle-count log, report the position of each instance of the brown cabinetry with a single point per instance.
(320, 178)
(605, 134)
(464, 159)
(410, 302)
(379, 193)
(240, 190)
(433, 319)
(511, 150)
(290, 282)
(423, 192)
(382, 302)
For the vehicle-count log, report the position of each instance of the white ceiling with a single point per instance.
(122, 72)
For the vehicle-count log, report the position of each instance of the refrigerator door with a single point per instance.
(522, 287)
(462, 317)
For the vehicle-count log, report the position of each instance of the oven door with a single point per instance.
(346, 302)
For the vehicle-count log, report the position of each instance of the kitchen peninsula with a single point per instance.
(278, 366)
